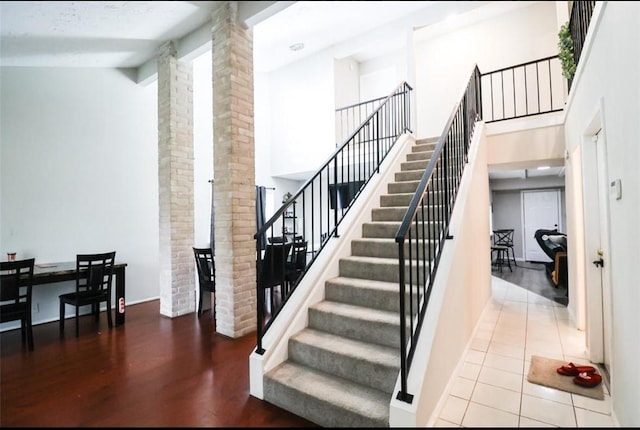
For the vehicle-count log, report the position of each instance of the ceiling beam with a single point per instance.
(198, 41)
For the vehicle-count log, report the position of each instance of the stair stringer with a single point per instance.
(461, 289)
(294, 316)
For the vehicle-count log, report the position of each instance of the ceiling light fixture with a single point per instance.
(296, 46)
(544, 167)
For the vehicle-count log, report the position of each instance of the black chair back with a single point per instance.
(16, 284)
(94, 276)
(96, 282)
(206, 267)
(503, 237)
(273, 265)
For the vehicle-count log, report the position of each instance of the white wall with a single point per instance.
(302, 115)
(346, 78)
(444, 61)
(79, 173)
(607, 90)
(380, 76)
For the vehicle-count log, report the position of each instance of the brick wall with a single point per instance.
(175, 173)
(234, 186)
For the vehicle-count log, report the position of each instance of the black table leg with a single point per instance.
(119, 272)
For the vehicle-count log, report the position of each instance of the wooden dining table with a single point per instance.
(48, 273)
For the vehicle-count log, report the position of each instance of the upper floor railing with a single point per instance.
(348, 118)
(581, 12)
(291, 240)
(523, 90)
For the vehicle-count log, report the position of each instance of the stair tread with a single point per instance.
(374, 353)
(353, 311)
(385, 240)
(364, 283)
(357, 398)
(365, 259)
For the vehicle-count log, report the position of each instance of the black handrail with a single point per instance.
(523, 90)
(322, 202)
(425, 226)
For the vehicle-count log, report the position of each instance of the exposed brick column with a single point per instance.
(234, 168)
(175, 173)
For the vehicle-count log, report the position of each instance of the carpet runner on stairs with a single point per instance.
(342, 369)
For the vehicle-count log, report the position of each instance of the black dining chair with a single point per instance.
(205, 265)
(272, 270)
(94, 273)
(16, 284)
(296, 264)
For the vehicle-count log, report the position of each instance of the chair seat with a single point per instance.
(84, 297)
(13, 311)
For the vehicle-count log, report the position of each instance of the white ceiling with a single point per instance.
(93, 33)
(129, 33)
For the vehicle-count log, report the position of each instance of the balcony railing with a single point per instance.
(581, 13)
(349, 118)
(523, 90)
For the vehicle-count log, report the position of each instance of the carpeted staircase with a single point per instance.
(342, 369)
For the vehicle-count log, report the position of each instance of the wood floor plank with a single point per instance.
(154, 371)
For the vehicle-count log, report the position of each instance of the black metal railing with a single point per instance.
(349, 118)
(425, 226)
(527, 89)
(581, 12)
(314, 213)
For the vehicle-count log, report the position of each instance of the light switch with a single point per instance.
(615, 189)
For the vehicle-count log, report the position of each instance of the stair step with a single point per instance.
(423, 147)
(356, 322)
(412, 175)
(387, 247)
(374, 268)
(364, 363)
(396, 213)
(414, 165)
(389, 229)
(402, 187)
(404, 199)
(324, 399)
(363, 292)
(418, 156)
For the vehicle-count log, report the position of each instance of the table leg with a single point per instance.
(120, 296)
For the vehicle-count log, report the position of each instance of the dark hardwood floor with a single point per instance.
(154, 371)
(532, 276)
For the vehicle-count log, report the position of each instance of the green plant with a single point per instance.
(565, 44)
(286, 197)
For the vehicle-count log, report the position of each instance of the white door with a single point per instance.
(540, 210)
(596, 209)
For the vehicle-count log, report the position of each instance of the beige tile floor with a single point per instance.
(491, 389)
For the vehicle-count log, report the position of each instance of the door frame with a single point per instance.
(596, 236)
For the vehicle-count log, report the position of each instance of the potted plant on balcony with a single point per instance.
(565, 45)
